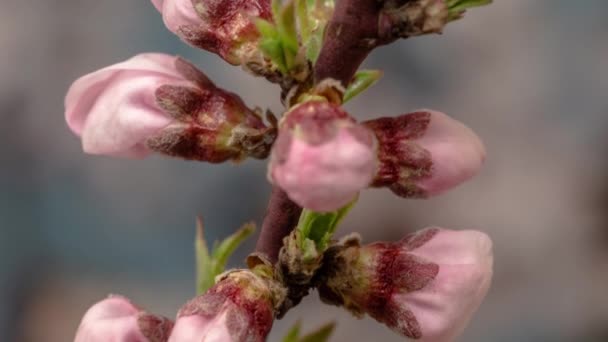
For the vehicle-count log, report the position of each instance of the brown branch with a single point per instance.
(351, 35)
(282, 216)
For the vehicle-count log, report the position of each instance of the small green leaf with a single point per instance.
(320, 335)
(294, 333)
(456, 8)
(286, 25)
(362, 81)
(273, 49)
(266, 29)
(208, 266)
(225, 249)
(303, 19)
(204, 265)
(319, 228)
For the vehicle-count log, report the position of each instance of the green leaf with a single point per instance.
(362, 81)
(285, 19)
(320, 335)
(266, 28)
(294, 333)
(318, 228)
(456, 8)
(303, 19)
(208, 266)
(227, 247)
(273, 49)
(204, 266)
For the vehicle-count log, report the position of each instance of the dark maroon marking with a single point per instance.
(154, 328)
(398, 272)
(190, 72)
(181, 102)
(419, 238)
(402, 320)
(257, 314)
(402, 161)
(192, 143)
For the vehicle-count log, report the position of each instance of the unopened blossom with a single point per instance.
(117, 319)
(239, 308)
(322, 158)
(426, 286)
(162, 103)
(424, 153)
(224, 27)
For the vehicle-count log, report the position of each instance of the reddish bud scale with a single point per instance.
(246, 301)
(366, 280)
(401, 161)
(213, 125)
(227, 27)
(154, 328)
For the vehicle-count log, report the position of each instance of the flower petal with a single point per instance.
(444, 307)
(326, 176)
(117, 319)
(177, 13)
(114, 109)
(457, 153)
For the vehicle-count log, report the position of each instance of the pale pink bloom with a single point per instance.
(115, 110)
(177, 13)
(204, 329)
(156, 102)
(237, 308)
(117, 319)
(426, 287)
(322, 160)
(225, 27)
(425, 153)
(444, 307)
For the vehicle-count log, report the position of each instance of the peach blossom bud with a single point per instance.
(156, 102)
(424, 153)
(117, 319)
(322, 158)
(426, 287)
(238, 308)
(224, 27)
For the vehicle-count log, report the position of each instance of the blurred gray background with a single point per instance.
(530, 77)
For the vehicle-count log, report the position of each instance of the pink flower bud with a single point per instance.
(156, 102)
(322, 158)
(117, 319)
(427, 286)
(238, 308)
(225, 27)
(425, 153)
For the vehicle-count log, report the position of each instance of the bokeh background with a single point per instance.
(530, 77)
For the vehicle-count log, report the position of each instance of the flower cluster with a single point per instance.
(426, 286)
(240, 307)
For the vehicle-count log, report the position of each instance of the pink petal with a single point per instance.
(158, 4)
(457, 153)
(117, 319)
(444, 307)
(201, 329)
(114, 109)
(327, 176)
(177, 13)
